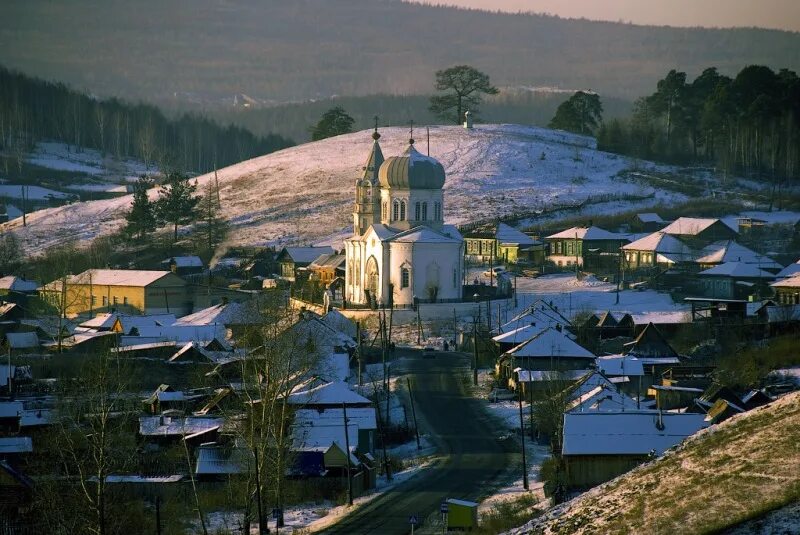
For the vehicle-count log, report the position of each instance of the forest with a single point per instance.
(747, 124)
(32, 110)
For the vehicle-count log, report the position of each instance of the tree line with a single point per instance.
(32, 110)
(748, 124)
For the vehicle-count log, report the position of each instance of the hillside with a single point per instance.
(304, 194)
(277, 51)
(721, 477)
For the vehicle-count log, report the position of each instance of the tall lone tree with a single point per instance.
(141, 220)
(334, 122)
(582, 113)
(464, 87)
(177, 203)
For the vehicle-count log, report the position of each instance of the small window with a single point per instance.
(115, 299)
(105, 300)
(124, 300)
(405, 278)
(424, 211)
(94, 301)
(416, 211)
(402, 210)
(437, 211)
(395, 211)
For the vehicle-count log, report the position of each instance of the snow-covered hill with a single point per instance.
(304, 194)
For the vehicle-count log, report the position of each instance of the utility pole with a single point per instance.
(619, 274)
(413, 411)
(360, 353)
(347, 455)
(475, 352)
(382, 431)
(522, 437)
(258, 496)
(455, 331)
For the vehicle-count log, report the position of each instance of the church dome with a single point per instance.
(411, 170)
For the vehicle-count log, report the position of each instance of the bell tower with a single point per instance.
(368, 200)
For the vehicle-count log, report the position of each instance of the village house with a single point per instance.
(648, 222)
(788, 271)
(787, 290)
(588, 247)
(656, 250)
(499, 243)
(294, 260)
(725, 251)
(735, 280)
(599, 445)
(184, 265)
(698, 232)
(551, 349)
(327, 267)
(111, 290)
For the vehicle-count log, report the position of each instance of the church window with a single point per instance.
(455, 278)
(405, 278)
(402, 210)
(424, 211)
(416, 211)
(437, 211)
(396, 211)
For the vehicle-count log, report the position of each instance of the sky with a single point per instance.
(779, 14)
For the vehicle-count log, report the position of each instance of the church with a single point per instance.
(401, 250)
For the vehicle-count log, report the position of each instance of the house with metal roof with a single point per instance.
(292, 259)
(787, 290)
(502, 243)
(724, 251)
(598, 445)
(735, 280)
(657, 249)
(184, 265)
(588, 247)
(698, 232)
(326, 267)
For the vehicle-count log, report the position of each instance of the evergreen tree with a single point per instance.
(177, 204)
(10, 253)
(464, 86)
(141, 220)
(334, 122)
(211, 228)
(582, 113)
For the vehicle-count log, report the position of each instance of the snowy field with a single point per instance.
(304, 194)
(63, 157)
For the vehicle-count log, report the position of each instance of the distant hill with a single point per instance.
(304, 194)
(208, 51)
(726, 475)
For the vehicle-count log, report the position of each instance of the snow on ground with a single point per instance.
(37, 193)
(493, 170)
(64, 157)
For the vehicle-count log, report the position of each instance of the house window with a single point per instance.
(416, 211)
(395, 211)
(124, 300)
(437, 211)
(115, 300)
(94, 301)
(105, 301)
(425, 211)
(405, 278)
(455, 278)
(384, 211)
(402, 210)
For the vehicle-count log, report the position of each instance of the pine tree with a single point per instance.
(582, 113)
(334, 122)
(211, 228)
(10, 253)
(141, 220)
(177, 204)
(464, 86)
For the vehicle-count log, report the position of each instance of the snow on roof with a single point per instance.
(586, 233)
(143, 479)
(615, 365)
(128, 321)
(35, 417)
(184, 261)
(5, 372)
(660, 242)
(626, 433)
(788, 282)
(217, 459)
(601, 398)
(422, 234)
(333, 393)
(737, 269)
(117, 277)
(177, 426)
(662, 317)
(691, 226)
(17, 284)
(363, 417)
(16, 445)
(538, 312)
(551, 343)
(231, 313)
(730, 251)
(22, 340)
(171, 396)
(320, 435)
(650, 217)
(10, 409)
(788, 271)
(783, 313)
(306, 255)
(533, 376)
(331, 260)
(181, 333)
(340, 322)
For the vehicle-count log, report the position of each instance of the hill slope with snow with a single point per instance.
(725, 475)
(304, 194)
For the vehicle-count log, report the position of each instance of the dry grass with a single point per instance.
(733, 472)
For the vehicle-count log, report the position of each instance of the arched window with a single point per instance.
(416, 211)
(424, 211)
(396, 211)
(402, 210)
(384, 211)
(405, 277)
(368, 194)
(437, 211)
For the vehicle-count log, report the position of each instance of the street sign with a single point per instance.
(413, 520)
(443, 508)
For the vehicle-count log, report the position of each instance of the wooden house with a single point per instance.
(724, 251)
(648, 222)
(110, 290)
(698, 232)
(327, 267)
(293, 259)
(787, 290)
(656, 250)
(734, 280)
(588, 247)
(598, 446)
(549, 350)
(502, 244)
(184, 265)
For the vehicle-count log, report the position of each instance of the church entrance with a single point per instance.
(371, 280)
